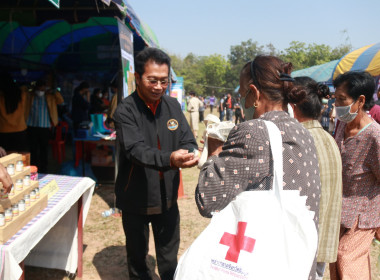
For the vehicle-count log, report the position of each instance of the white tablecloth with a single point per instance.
(51, 238)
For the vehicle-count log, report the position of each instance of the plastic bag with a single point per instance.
(214, 129)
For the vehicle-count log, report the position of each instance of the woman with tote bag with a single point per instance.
(244, 162)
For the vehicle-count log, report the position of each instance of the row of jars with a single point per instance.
(19, 207)
(20, 167)
(18, 186)
(11, 167)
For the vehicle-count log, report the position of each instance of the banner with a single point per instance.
(177, 90)
(127, 62)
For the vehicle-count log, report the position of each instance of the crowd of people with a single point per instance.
(340, 175)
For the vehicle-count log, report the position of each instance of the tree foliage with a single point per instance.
(217, 75)
(303, 56)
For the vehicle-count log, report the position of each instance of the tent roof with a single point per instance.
(36, 12)
(320, 73)
(364, 59)
(44, 43)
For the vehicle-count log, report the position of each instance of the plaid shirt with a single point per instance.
(330, 168)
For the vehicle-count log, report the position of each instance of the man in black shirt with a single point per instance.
(154, 137)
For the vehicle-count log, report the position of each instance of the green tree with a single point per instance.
(340, 51)
(214, 70)
(238, 57)
(318, 54)
(296, 53)
(304, 56)
(205, 74)
(193, 76)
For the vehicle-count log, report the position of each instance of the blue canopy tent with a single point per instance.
(320, 73)
(44, 45)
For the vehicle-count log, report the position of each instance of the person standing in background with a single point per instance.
(42, 114)
(228, 105)
(212, 102)
(378, 97)
(105, 97)
(80, 104)
(13, 129)
(308, 112)
(239, 114)
(221, 108)
(374, 111)
(97, 106)
(202, 109)
(193, 108)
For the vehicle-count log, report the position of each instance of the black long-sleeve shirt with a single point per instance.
(147, 141)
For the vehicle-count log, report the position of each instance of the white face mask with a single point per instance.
(248, 112)
(100, 95)
(343, 113)
(40, 93)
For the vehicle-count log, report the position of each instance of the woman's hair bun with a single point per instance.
(323, 90)
(296, 94)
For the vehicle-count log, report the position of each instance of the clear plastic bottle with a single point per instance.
(108, 212)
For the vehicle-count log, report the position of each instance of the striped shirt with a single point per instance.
(39, 113)
(330, 168)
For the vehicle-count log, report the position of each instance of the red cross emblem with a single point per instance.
(237, 242)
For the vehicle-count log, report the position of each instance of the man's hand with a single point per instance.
(183, 159)
(5, 179)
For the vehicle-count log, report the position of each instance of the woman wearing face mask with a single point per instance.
(96, 105)
(244, 161)
(358, 139)
(42, 114)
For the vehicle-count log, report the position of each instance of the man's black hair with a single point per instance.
(357, 83)
(150, 54)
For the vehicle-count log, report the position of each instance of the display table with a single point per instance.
(51, 238)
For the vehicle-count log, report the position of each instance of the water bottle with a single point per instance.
(108, 212)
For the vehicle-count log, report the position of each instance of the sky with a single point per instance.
(206, 27)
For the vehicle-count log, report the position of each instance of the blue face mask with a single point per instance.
(343, 113)
(248, 112)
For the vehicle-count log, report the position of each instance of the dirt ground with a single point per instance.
(104, 254)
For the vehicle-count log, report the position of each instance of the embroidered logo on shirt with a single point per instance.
(172, 124)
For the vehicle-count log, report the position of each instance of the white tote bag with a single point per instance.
(259, 235)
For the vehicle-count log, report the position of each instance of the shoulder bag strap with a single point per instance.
(275, 140)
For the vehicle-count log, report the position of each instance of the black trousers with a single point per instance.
(201, 116)
(166, 238)
(238, 118)
(38, 146)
